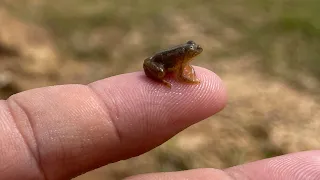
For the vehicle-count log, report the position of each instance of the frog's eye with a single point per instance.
(191, 47)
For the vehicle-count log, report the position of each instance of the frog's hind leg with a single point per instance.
(156, 72)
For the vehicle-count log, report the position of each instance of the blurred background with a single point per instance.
(266, 51)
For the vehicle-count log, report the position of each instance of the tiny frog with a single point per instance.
(174, 60)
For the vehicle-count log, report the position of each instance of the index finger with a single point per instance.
(62, 131)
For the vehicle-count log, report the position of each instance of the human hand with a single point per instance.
(62, 131)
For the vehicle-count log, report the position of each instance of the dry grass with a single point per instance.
(267, 53)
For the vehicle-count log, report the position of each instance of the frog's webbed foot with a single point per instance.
(188, 75)
(156, 72)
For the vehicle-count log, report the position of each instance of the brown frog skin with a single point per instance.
(174, 60)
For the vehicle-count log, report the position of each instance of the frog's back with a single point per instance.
(169, 57)
(171, 51)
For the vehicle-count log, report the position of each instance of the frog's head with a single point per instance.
(193, 49)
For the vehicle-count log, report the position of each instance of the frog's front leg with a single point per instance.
(187, 74)
(155, 71)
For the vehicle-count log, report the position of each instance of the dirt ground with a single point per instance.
(268, 60)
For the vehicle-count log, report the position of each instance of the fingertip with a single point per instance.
(295, 166)
(148, 113)
(140, 96)
(212, 83)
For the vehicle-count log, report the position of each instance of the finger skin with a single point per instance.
(194, 174)
(60, 132)
(296, 166)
